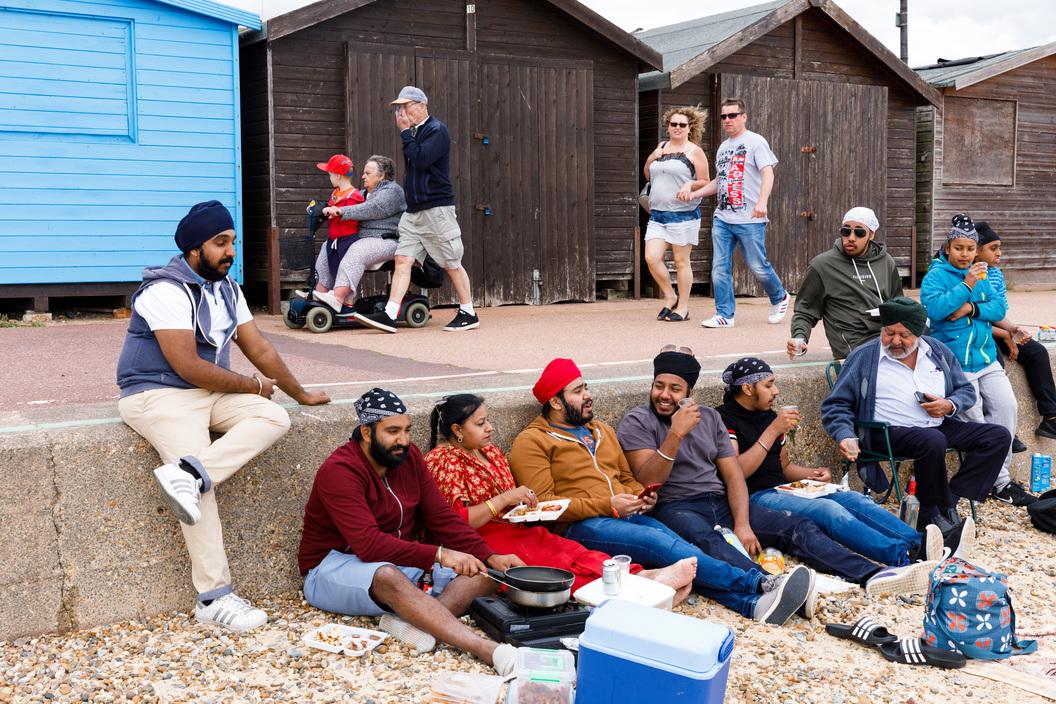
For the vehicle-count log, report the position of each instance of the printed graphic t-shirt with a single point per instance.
(738, 169)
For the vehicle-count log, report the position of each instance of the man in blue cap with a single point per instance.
(428, 226)
(177, 387)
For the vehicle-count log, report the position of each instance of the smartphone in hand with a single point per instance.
(921, 397)
(650, 489)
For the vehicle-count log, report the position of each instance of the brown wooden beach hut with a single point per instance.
(989, 149)
(541, 101)
(837, 107)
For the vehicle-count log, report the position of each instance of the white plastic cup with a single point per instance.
(799, 345)
(854, 449)
(624, 561)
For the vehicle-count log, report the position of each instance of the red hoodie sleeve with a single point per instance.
(343, 494)
(443, 522)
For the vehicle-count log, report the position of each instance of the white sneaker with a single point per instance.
(717, 321)
(230, 611)
(182, 490)
(909, 579)
(779, 310)
(329, 299)
(405, 632)
(301, 293)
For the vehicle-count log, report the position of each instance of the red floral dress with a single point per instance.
(466, 481)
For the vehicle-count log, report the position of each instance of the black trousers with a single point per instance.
(984, 444)
(1034, 358)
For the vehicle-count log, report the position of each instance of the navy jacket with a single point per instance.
(427, 158)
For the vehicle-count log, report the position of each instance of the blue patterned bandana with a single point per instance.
(746, 370)
(377, 404)
(963, 227)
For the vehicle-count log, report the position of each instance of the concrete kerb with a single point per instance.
(89, 540)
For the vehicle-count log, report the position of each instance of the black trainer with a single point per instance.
(1047, 428)
(1017, 444)
(462, 321)
(1014, 494)
(378, 321)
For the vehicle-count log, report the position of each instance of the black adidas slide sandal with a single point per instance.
(914, 651)
(865, 631)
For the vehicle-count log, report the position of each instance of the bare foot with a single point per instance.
(678, 576)
(681, 595)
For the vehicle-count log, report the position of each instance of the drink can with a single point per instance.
(1040, 472)
(611, 577)
(772, 561)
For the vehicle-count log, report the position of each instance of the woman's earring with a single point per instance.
(458, 439)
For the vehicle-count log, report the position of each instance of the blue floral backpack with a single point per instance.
(970, 610)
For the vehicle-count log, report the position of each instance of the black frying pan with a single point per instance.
(535, 579)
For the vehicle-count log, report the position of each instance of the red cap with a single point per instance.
(557, 375)
(338, 164)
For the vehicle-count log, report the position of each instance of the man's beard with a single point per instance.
(902, 352)
(207, 272)
(576, 416)
(387, 457)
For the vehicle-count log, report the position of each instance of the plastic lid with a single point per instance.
(541, 665)
(659, 639)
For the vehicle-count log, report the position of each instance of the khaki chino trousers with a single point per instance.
(177, 422)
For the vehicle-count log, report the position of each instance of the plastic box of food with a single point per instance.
(633, 588)
(338, 638)
(543, 676)
(633, 654)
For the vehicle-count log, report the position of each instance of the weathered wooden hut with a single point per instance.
(989, 149)
(116, 116)
(837, 107)
(541, 101)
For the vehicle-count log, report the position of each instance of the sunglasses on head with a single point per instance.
(671, 347)
(856, 231)
(729, 115)
(681, 125)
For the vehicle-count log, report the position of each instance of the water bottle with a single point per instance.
(732, 539)
(909, 509)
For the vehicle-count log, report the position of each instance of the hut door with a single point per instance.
(533, 188)
(830, 139)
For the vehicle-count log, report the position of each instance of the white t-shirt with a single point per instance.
(739, 168)
(168, 307)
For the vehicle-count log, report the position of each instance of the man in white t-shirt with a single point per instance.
(177, 387)
(744, 178)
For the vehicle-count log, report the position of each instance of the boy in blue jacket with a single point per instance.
(962, 306)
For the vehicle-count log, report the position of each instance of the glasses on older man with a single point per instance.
(858, 232)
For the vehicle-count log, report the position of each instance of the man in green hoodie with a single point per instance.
(844, 287)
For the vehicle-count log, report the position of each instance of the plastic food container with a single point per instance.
(543, 677)
(632, 654)
(338, 638)
(464, 688)
(544, 511)
(633, 588)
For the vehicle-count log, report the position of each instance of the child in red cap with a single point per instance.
(342, 232)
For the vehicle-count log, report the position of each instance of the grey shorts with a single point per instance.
(434, 232)
(341, 584)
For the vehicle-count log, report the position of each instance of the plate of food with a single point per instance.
(808, 488)
(338, 638)
(543, 511)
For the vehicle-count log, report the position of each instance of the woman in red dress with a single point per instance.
(475, 477)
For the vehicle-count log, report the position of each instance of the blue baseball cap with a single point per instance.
(410, 94)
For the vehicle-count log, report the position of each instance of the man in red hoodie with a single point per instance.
(360, 554)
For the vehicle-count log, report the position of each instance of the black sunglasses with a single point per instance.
(678, 124)
(856, 231)
(729, 115)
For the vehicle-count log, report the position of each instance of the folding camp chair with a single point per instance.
(883, 455)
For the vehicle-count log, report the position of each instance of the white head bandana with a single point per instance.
(866, 216)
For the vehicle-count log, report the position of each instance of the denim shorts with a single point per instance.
(341, 584)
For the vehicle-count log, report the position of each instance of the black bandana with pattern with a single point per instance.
(746, 370)
(377, 404)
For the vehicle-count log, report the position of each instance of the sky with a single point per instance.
(950, 29)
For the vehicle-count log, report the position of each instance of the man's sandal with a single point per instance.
(865, 631)
(914, 651)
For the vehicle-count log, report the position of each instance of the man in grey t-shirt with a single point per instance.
(744, 177)
(686, 447)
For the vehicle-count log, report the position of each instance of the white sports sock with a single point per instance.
(468, 307)
(392, 309)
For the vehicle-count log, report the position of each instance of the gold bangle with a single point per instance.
(491, 507)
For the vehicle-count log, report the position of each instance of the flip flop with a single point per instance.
(865, 631)
(914, 651)
(673, 317)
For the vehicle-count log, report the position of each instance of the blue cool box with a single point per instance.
(631, 653)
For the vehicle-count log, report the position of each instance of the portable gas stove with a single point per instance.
(523, 626)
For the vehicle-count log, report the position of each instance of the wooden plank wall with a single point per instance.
(827, 54)
(925, 185)
(1024, 214)
(308, 94)
(256, 144)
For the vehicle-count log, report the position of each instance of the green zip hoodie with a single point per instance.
(839, 290)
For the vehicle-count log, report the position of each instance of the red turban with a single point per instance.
(557, 375)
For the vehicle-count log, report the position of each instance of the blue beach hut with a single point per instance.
(115, 117)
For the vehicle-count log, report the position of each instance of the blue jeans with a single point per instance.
(695, 520)
(852, 519)
(652, 544)
(752, 238)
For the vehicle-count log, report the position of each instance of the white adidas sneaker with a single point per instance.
(230, 611)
